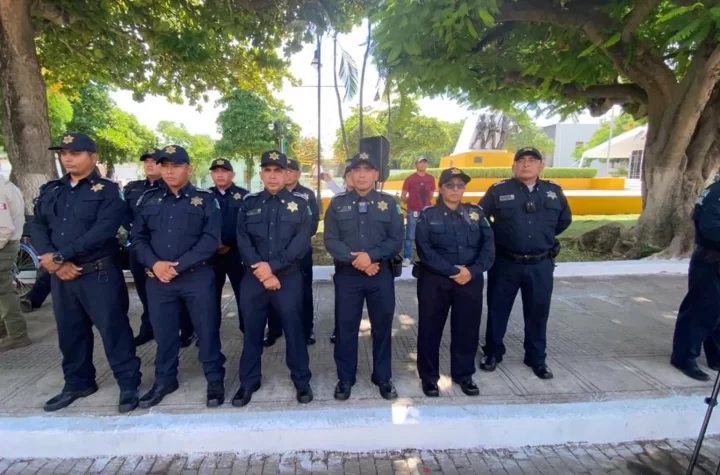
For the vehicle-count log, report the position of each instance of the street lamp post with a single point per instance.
(316, 62)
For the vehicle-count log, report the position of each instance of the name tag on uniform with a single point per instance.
(415, 214)
(254, 212)
(507, 197)
(343, 209)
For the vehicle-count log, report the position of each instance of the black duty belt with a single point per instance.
(523, 258)
(99, 265)
(190, 270)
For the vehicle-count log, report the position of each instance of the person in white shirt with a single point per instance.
(13, 329)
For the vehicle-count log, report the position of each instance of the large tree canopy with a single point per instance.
(658, 58)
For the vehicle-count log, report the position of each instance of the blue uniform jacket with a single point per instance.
(309, 196)
(132, 193)
(706, 216)
(446, 238)
(183, 228)
(81, 222)
(230, 204)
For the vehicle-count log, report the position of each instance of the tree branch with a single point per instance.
(639, 14)
(622, 93)
(53, 13)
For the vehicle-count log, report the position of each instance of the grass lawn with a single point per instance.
(580, 225)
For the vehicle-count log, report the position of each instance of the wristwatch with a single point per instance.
(58, 258)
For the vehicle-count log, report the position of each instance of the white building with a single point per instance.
(624, 152)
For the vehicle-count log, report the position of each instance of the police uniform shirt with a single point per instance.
(183, 228)
(230, 202)
(446, 238)
(379, 231)
(274, 229)
(522, 232)
(132, 193)
(81, 221)
(309, 196)
(706, 216)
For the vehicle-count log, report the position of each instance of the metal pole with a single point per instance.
(612, 126)
(711, 402)
(319, 114)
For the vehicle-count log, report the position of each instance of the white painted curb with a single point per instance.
(400, 426)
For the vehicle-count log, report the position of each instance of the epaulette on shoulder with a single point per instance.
(472, 205)
(146, 193)
(499, 182)
(301, 195)
(202, 190)
(249, 195)
(554, 183)
(339, 195)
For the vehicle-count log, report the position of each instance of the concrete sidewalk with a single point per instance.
(609, 340)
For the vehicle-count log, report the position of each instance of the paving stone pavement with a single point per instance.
(664, 457)
(609, 338)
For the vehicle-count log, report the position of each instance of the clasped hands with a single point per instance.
(463, 277)
(363, 263)
(264, 274)
(64, 271)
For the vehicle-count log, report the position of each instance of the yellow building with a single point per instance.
(478, 158)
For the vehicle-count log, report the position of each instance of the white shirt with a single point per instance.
(335, 188)
(12, 212)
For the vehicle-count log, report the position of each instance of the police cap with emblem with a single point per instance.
(221, 163)
(77, 142)
(528, 151)
(451, 173)
(273, 157)
(293, 164)
(175, 154)
(150, 153)
(363, 159)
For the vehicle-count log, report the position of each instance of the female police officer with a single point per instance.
(455, 244)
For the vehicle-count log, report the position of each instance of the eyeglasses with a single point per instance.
(454, 186)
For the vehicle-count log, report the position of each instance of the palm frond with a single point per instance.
(348, 73)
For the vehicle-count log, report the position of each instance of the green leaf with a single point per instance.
(588, 51)
(613, 40)
(471, 29)
(394, 53)
(486, 17)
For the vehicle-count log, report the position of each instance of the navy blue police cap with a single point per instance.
(150, 153)
(528, 151)
(274, 157)
(451, 173)
(175, 154)
(293, 164)
(221, 163)
(363, 158)
(77, 142)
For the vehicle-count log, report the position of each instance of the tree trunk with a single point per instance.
(362, 76)
(24, 102)
(339, 101)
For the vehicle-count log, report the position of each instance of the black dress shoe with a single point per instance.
(244, 395)
(65, 398)
(333, 337)
(387, 390)
(304, 394)
(186, 340)
(143, 338)
(468, 387)
(489, 363)
(541, 370)
(692, 370)
(311, 339)
(343, 389)
(26, 305)
(157, 393)
(128, 401)
(430, 389)
(714, 366)
(270, 339)
(215, 394)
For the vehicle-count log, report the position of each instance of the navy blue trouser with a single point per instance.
(228, 265)
(308, 305)
(699, 314)
(40, 289)
(436, 296)
(355, 288)
(535, 282)
(140, 278)
(195, 291)
(99, 299)
(255, 303)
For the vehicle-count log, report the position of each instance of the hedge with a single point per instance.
(506, 172)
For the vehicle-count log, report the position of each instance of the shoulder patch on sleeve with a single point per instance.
(304, 196)
(499, 182)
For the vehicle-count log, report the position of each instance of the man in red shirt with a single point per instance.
(417, 193)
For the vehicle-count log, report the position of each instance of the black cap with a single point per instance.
(77, 142)
(274, 157)
(150, 153)
(173, 153)
(221, 163)
(450, 173)
(528, 151)
(347, 170)
(293, 164)
(363, 158)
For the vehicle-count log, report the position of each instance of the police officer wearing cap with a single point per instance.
(699, 313)
(273, 237)
(175, 236)
(308, 310)
(227, 260)
(528, 213)
(364, 231)
(132, 193)
(455, 244)
(76, 222)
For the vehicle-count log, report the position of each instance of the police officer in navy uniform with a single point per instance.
(308, 310)
(456, 245)
(699, 314)
(273, 236)
(75, 231)
(227, 260)
(364, 231)
(528, 213)
(175, 236)
(132, 193)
